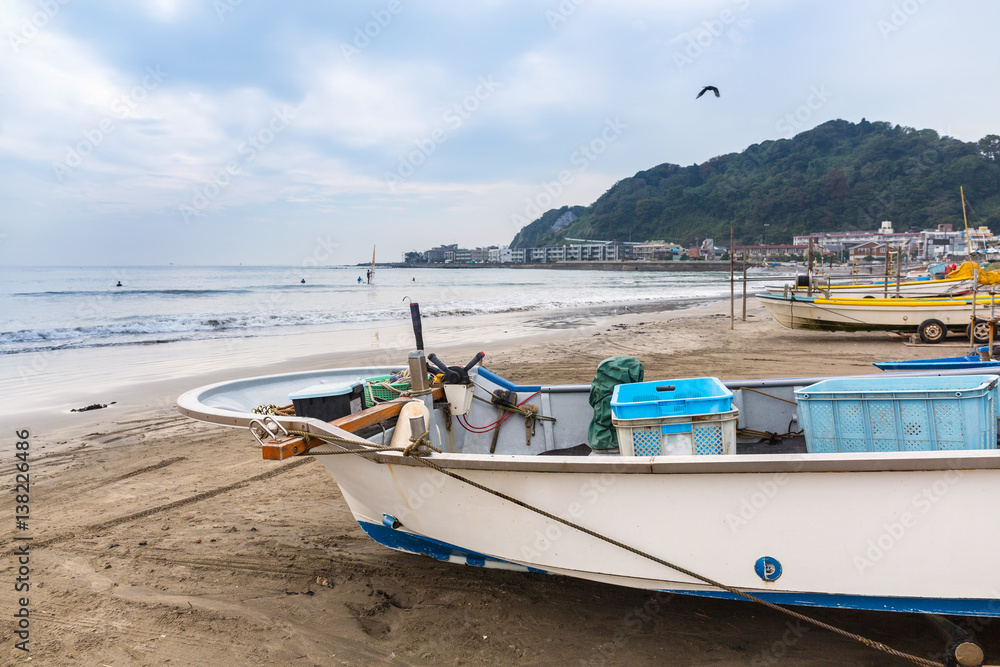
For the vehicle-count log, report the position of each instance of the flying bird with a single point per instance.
(706, 89)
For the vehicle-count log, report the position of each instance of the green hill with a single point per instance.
(839, 176)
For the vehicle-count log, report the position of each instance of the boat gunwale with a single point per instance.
(869, 302)
(190, 405)
(930, 461)
(820, 285)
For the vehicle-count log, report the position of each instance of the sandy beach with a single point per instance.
(158, 540)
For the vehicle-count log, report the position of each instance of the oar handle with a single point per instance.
(418, 328)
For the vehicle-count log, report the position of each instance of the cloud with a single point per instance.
(167, 10)
(85, 66)
(367, 104)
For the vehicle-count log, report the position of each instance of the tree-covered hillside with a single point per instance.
(839, 176)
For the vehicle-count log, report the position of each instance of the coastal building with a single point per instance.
(944, 241)
(479, 255)
(844, 241)
(870, 249)
(762, 252)
(580, 252)
(437, 255)
(925, 245)
(653, 251)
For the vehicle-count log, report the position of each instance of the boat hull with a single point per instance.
(952, 363)
(912, 289)
(867, 314)
(867, 538)
(894, 531)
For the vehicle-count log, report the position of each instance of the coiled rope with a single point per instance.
(275, 410)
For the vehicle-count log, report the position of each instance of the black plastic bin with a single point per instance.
(328, 401)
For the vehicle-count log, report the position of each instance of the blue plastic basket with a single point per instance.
(670, 398)
(899, 414)
(712, 433)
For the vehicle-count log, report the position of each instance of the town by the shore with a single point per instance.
(690, 266)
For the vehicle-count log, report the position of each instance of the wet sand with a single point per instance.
(158, 540)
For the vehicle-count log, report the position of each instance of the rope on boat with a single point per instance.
(730, 589)
(762, 393)
(530, 417)
(388, 387)
(418, 445)
(415, 392)
(517, 408)
(275, 410)
(749, 433)
(773, 438)
(417, 450)
(403, 393)
(403, 376)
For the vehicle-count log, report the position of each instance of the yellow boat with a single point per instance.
(932, 318)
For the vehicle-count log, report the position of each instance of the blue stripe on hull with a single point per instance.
(416, 544)
(957, 607)
(425, 546)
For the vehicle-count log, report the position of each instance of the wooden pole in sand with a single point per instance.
(993, 319)
(809, 269)
(885, 278)
(975, 293)
(732, 286)
(744, 285)
(899, 268)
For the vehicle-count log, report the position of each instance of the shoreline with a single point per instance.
(43, 386)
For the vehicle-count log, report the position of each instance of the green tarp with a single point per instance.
(611, 372)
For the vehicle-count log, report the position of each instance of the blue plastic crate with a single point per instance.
(712, 433)
(899, 414)
(670, 398)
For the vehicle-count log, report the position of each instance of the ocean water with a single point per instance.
(56, 308)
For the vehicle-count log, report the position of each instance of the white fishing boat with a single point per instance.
(876, 289)
(796, 522)
(931, 318)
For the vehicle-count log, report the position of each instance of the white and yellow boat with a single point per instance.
(944, 287)
(929, 317)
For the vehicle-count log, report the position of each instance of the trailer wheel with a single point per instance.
(980, 331)
(932, 331)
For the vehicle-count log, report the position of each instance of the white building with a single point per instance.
(843, 241)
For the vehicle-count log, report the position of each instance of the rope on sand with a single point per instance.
(418, 450)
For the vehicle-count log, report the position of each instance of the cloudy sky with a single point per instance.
(239, 131)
